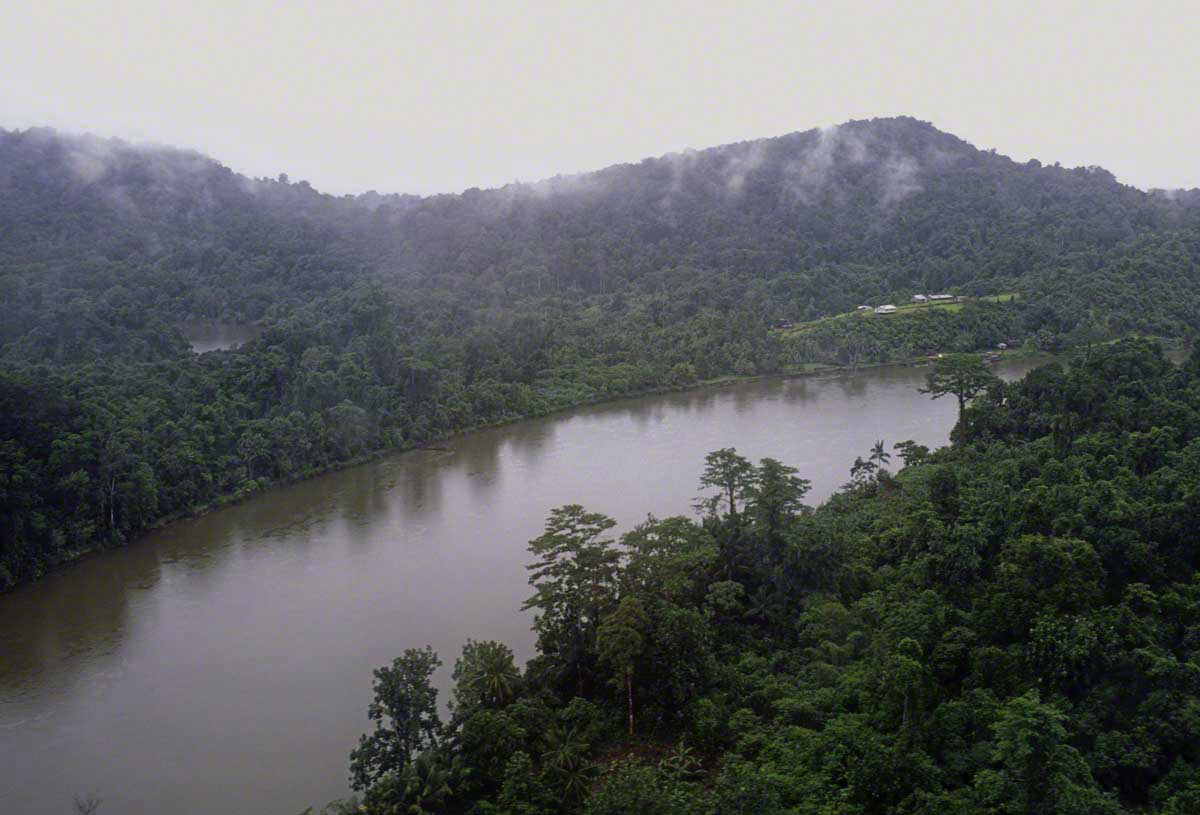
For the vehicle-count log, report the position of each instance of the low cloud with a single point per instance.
(898, 179)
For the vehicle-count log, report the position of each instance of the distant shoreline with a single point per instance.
(438, 444)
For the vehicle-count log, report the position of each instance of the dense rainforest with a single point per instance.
(386, 321)
(1008, 625)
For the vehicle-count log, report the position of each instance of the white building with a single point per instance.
(888, 309)
(919, 298)
(941, 297)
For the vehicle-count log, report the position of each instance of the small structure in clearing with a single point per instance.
(886, 309)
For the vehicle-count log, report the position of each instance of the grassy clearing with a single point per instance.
(907, 308)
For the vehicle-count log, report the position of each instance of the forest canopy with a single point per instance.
(387, 321)
(1007, 625)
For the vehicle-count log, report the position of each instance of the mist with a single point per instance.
(426, 99)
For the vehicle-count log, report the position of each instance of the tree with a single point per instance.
(575, 579)
(632, 787)
(486, 741)
(774, 493)
(566, 759)
(253, 448)
(485, 675)
(731, 474)
(669, 558)
(910, 452)
(861, 473)
(523, 792)
(1038, 771)
(423, 787)
(963, 375)
(620, 642)
(405, 715)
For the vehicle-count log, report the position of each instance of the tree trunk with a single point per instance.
(112, 504)
(629, 693)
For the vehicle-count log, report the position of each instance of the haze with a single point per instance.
(431, 97)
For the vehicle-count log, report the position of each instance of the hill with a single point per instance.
(389, 320)
(831, 217)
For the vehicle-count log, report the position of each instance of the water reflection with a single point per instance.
(163, 675)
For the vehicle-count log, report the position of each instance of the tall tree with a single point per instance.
(405, 715)
(1038, 772)
(963, 375)
(730, 474)
(486, 675)
(574, 578)
(620, 642)
(774, 493)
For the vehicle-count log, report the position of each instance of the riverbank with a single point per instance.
(257, 487)
(254, 630)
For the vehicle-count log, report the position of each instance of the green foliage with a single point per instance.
(524, 791)
(775, 493)
(486, 675)
(631, 787)
(962, 375)
(729, 474)
(380, 322)
(486, 741)
(620, 642)
(406, 721)
(428, 785)
(1037, 772)
(575, 583)
(1007, 625)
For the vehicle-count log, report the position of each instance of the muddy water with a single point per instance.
(224, 664)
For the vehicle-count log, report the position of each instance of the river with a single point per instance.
(223, 664)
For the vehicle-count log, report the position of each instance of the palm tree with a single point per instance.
(879, 454)
(496, 678)
(485, 676)
(423, 787)
(566, 758)
(765, 606)
(861, 472)
(681, 762)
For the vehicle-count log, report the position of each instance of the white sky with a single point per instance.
(440, 96)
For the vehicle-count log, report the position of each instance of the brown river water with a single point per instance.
(223, 664)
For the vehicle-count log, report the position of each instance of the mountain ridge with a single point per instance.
(870, 208)
(106, 144)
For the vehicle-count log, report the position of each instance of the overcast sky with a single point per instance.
(440, 96)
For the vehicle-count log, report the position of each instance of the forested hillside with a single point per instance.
(392, 320)
(1007, 625)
